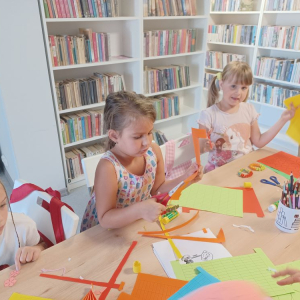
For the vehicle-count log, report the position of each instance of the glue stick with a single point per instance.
(273, 206)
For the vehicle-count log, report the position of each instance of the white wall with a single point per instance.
(28, 134)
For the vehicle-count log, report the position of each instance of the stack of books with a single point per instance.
(72, 93)
(231, 5)
(87, 47)
(285, 37)
(167, 42)
(208, 77)
(74, 157)
(218, 60)
(232, 33)
(166, 78)
(273, 95)
(159, 137)
(282, 5)
(81, 8)
(169, 8)
(166, 106)
(81, 126)
(278, 68)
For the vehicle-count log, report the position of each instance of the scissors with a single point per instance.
(274, 179)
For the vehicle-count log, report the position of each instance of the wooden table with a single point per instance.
(96, 253)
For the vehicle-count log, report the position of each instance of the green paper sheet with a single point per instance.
(278, 172)
(252, 267)
(212, 198)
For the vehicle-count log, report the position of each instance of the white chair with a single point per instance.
(31, 206)
(89, 165)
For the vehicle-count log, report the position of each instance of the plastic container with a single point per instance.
(287, 219)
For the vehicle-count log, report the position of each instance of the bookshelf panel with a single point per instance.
(281, 19)
(236, 18)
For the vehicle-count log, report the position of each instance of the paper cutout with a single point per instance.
(250, 202)
(212, 198)
(294, 128)
(243, 226)
(283, 162)
(17, 296)
(11, 281)
(90, 296)
(175, 249)
(172, 228)
(202, 279)
(118, 270)
(151, 287)
(251, 267)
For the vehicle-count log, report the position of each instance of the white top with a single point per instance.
(28, 236)
(230, 132)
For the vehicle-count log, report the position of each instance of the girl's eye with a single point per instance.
(137, 137)
(244, 88)
(3, 205)
(233, 86)
(150, 133)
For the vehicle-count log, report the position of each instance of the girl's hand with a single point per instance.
(26, 254)
(288, 114)
(294, 276)
(192, 169)
(151, 210)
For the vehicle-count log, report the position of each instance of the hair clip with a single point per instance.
(219, 76)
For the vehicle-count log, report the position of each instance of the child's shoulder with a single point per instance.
(21, 219)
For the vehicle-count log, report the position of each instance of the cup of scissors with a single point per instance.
(274, 181)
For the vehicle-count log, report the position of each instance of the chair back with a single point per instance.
(32, 207)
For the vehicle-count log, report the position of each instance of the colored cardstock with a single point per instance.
(294, 128)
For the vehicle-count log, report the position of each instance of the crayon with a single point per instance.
(292, 182)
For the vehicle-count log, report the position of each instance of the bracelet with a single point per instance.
(257, 167)
(245, 173)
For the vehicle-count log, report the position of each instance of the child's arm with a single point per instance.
(106, 189)
(260, 140)
(163, 186)
(28, 254)
(293, 278)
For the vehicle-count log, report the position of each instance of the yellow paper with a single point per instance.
(294, 128)
(17, 296)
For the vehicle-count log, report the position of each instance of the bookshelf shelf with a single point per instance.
(213, 69)
(174, 55)
(234, 12)
(91, 106)
(280, 82)
(68, 20)
(174, 18)
(94, 138)
(278, 49)
(113, 61)
(231, 44)
(185, 111)
(281, 12)
(193, 85)
(267, 105)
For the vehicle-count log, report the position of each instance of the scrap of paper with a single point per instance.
(151, 287)
(251, 267)
(202, 279)
(11, 281)
(212, 198)
(283, 162)
(294, 128)
(17, 296)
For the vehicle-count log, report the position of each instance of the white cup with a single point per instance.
(287, 219)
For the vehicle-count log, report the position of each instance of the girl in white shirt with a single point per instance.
(19, 239)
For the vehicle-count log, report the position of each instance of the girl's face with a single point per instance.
(233, 93)
(135, 139)
(3, 208)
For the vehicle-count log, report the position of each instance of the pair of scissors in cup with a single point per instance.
(274, 181)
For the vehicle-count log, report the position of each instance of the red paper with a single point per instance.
(283, 162)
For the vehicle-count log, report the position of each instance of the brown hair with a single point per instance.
(121, 108)
(12, 217)
(238, 71)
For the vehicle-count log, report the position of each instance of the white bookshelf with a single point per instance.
(260, 17)
(127, 39)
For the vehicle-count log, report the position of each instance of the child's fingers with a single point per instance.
(29, 256)
(289, 280)
(17, 259)
(36, 255)
(285, 272)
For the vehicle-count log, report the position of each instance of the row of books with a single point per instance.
(160, 8)
(271, 94)
(72, 93)
(286, 37)
(167, 42)
(74, 157)
(278, 68)
(159, 137)
(282, 5)
(166, 78)
(231, 5)
(231, 33)
(82, 125)
(166, 106)
(208, 77)
(88, 47)
(218, 60)
(81, 8)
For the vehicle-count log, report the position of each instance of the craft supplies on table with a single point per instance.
(274, 181)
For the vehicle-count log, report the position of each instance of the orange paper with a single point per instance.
(283, 162)
(151, 287)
